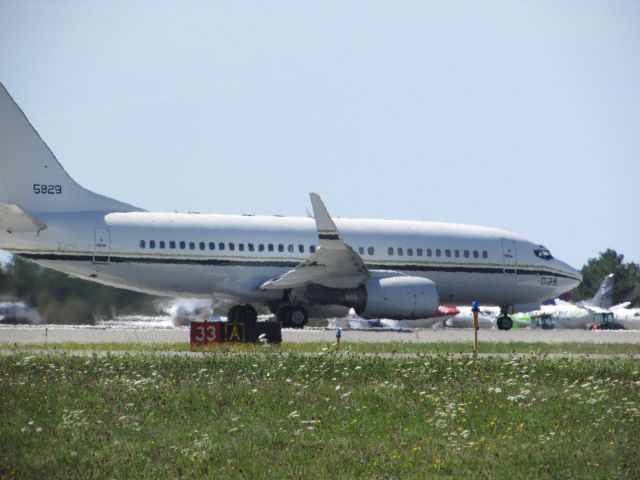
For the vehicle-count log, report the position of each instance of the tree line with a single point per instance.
(67, 300)
(63, 299)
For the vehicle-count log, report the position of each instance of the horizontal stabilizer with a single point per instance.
(14, 219)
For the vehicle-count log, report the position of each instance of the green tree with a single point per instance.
(63, 299)
(626, 278)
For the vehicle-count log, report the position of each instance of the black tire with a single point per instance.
(284, 316)
(505, 323)
(246, 314)
(298, 317)
(232, 316)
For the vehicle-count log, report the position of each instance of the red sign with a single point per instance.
(204, 333)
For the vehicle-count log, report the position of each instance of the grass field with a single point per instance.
(246, 415)
(348, 347)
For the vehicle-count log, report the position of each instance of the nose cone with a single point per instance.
(572, 277)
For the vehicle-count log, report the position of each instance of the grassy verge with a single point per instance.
(353, 347)
(318, 416)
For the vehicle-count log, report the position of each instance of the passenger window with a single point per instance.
(447, 252)
(290, 248)
(400, 252)
(429, 252)
(232, 246)
(202, 246)
(485, 254)
(250, 245)
(438, 252)
(475, 254)
(456, 253)
(410, 252)
(212, 246)
(152, 244)
(301, 248)
(143, 244)
(261, 247)
(241, 247)
(361, 250)
(419, 252)
(280, 247)
(172, 244)
(312, 248)
(162, 244)
(183, 245)
(390, 251)
(220, 245)
(192, 245)
(466, 254)
(271, 247)
(371, 251)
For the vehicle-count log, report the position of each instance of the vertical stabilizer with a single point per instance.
(604, 295)
(30, 175)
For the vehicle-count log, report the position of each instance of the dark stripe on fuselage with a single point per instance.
(282, 263)
(328, 236)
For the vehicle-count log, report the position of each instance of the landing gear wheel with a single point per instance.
(504, 322)
(298, 317)
(292, 317)
(282, 314)
(232, 316)
(246, 314)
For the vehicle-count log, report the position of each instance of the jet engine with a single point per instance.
(382, 296)
(399, 298)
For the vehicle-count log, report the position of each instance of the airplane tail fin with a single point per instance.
(30, 175)
(603, 297)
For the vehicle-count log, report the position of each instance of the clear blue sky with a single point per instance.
(518, 115)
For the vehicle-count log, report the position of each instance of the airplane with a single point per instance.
(353, 320)
(571, 316)
(560, 314)
(629, 318)
(487, 318)
(295, 266)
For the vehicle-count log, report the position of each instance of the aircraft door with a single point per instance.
(509, 257)
(102, 250)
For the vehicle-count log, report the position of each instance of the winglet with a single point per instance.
(326, 227)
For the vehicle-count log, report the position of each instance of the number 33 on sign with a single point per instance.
(204, 333)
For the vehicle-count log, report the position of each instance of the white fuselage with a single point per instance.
(231, 256)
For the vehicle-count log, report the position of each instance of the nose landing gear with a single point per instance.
(504, 321)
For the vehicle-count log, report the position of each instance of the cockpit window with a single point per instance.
(543, 253)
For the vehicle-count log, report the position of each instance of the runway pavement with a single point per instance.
(58, 334)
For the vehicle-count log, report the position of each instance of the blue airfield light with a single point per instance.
(475, 306)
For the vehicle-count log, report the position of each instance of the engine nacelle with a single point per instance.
(400, 297)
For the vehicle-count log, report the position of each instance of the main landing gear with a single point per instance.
(291, 316)
(243, 314)
(504, 322)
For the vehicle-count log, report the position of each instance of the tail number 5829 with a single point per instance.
(44, 189)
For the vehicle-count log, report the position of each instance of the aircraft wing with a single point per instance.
(594, 309)
(14, 219)
(334, 264)
(621, 306)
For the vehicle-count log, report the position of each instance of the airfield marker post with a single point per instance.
(475, 308)
(338, 337)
